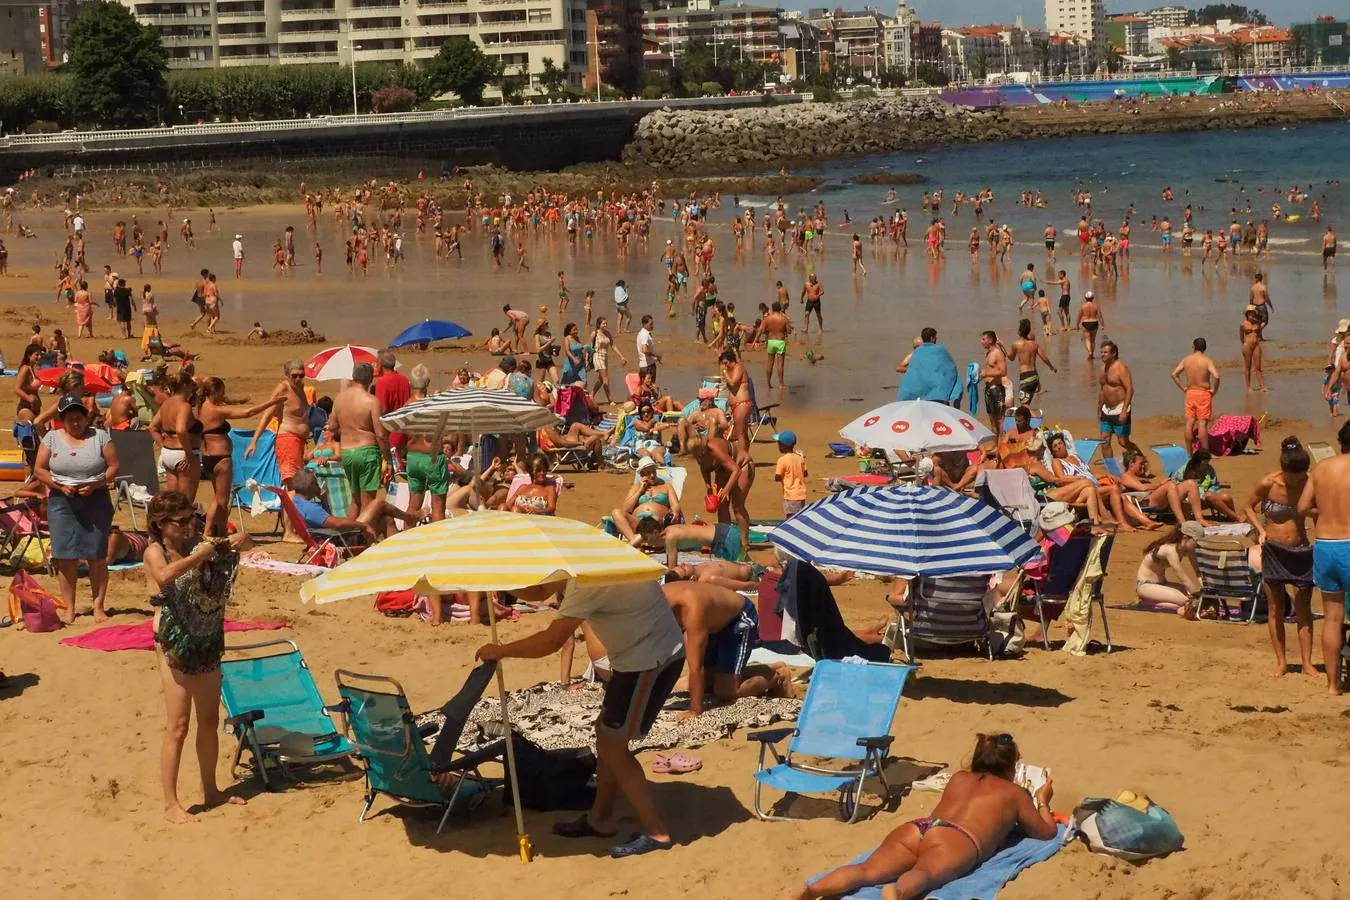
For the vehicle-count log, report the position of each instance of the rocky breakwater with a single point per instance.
(688, 140)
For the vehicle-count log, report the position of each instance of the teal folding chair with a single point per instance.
(391, 749)
(1172, 456)
(274, 710)
(846, 716)
(1085, 449)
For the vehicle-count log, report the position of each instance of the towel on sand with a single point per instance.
(983, 883)
(141, 636)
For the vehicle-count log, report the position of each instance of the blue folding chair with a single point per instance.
(846, 716)
(1113, 466)
(1085, 449)
(275, 712)
(1172, 457)
(391, 748)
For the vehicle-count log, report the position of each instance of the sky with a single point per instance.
(978, 12)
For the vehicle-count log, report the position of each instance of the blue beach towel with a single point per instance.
(973, 386)
(931, 375)
(984, 882)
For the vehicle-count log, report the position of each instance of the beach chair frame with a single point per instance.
(1011, 491)
(263, 743)
(413, 751)
(1048, 590)
(15, 539)
(867, 752)
(136, 450)
(1225, 575)
(965, 590)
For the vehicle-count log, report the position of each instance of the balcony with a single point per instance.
(259, 58)
(310, 56)
(314, 12)
(185, 63)
(241, 38)
(442, 4)
(309, 36)
(184, 40)
(242, 14)
(172, 18)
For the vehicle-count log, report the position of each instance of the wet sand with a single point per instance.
(1181, 710)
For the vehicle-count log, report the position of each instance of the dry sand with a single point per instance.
(1184, 711)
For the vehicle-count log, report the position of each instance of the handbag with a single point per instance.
(34, 604)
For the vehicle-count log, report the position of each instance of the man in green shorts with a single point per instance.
(774, 330)
(426, 472)
(355, 425)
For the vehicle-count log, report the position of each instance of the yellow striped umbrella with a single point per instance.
(485, 551)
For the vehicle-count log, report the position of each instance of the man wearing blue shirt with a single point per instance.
(376, 520)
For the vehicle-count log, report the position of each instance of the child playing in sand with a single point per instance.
(306, 331)
(258, 332)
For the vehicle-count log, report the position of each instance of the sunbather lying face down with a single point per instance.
(972, 820)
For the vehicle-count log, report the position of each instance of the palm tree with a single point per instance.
(1237, 50)
(1175, 56)
(1040, 49)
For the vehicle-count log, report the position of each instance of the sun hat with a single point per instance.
(1193, 530)
(646, 463)
(1343, 326)
(1056, 521)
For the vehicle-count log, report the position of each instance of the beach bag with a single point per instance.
(1125, 830)
(396, 603)
(34, 604)
(1009, 633)
(552, 780)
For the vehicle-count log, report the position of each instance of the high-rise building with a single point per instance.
(851, 39)
(1129, 33)
(750, 32)
(1083, 20)
(1168, 17)
(223, 33)
(901, 40)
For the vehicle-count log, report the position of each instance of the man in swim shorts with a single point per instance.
(1115, 399)
(1200, 385)
(1327, 499)
(994, 374)
(1028, 354)
(356, 425)
(289, 404)
(774, 330)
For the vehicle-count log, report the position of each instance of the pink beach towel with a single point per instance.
(141, 636)
(1229, 435)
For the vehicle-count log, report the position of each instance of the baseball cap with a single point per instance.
(646, 463)
(786, 438)
(1250, 309)
(1193, 530)
(1056, 521)
(69, 401)
(1088, 295)
(238, 237)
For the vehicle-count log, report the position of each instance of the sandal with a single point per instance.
(579, 828)
(675, 764)
(637, 845)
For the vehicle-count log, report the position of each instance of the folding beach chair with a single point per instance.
(1173, 458)
(1010, 490)
(337, 490)
(760, 416)
(1320, 450)
(138, 482)
(344, 542)
(847, 716)
(578, 459)
(261, 468)
(946, 611)
(1226, 575)
(1085, 449)
(1068, 573)
(389, 747)
(1010, 419)
(274, 709)
(22, 527)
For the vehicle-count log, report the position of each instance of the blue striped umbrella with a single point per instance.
(906, 530)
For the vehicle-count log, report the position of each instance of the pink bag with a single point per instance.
(34, 603)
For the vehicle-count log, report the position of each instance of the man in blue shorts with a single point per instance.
(1327, 500)
(1115, 399)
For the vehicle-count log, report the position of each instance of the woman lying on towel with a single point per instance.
(972, 820)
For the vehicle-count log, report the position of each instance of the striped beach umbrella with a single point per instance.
(906, 530)
(485, 551)
(916, 426)
(336, 363)
(473, 410)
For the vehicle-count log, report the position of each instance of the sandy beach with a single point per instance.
(1182, 710)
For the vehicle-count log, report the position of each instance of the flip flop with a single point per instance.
(579, 828)
(6, 621)
(637, 845)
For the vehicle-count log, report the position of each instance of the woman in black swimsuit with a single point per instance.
(1286, 553)
(217, 449)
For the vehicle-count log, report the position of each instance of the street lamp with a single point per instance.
(351, 42)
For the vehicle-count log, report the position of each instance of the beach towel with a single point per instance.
(931, 376)
(1229, 435)
(973, 387)
(1017, 853)
(1078, 608)
(263, 561)
(337, 490)
(141, 636)
(260, 467)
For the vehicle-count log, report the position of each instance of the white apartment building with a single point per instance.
(1168, 17)
(1084, 19)
(223, 33)
(898, 39)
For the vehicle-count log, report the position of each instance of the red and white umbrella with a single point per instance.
(336, 363)
(916, 426)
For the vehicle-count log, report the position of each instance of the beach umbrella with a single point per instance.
(336, 363)
(916, 426)
(429, 330)
(486, 551)
(93, 382)
(474, 410)
(906, 530)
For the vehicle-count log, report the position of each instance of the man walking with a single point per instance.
(994, 375)
(1326, 498)
(1200, 385)
(1115, 399)
(356, 427)
(647, 357)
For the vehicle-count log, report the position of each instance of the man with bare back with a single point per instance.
(1200, 385)
(774, 329)
(365, 446)
(290, 405)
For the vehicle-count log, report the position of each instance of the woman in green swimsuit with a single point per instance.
(651, 498)
(192, 579)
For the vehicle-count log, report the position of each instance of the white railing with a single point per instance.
(559, 110)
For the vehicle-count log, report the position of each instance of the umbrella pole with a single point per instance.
(526, 846)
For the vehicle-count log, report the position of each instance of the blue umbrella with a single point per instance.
(429, 330)
(906, 530)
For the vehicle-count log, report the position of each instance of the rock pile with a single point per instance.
(683, 140)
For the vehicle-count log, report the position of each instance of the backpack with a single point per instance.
(552, 779)
(1120, 828)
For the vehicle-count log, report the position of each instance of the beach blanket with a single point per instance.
(931, 376)
(263, 561)
(141, 636)
(1229, 435)
(556, 718)
(983, 883)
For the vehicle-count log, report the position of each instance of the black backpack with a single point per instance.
(552, 779)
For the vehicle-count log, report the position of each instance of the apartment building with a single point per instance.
(900, 40)
(1082, 19)
(1168, 17)
(750, 32)
(223, 33)
(1129, 34)
(851, 39)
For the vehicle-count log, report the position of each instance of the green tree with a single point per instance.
(463, 68)
(1114, 58)
(1208, 15)
(930, 74)
(552, 78)
(119, 67)
(1176, 57)
(1040, 50)
(1236, 51)
(1298, 47)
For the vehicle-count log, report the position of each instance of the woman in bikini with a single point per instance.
(214, 414)
(540, 496)
(26, 384)
(1064, 463)
(650, 499)
(1150, 582)
(178, 431)
(979, 808)
(738, 384)
(1286, 552)
(1163, 494)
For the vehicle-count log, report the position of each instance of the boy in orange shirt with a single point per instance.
(791, 471)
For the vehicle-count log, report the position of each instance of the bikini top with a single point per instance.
(1278, 513)
(223, 429)
(661, 497)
